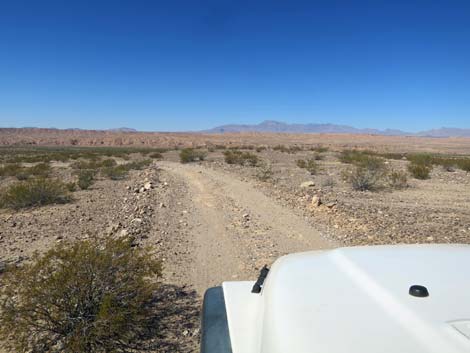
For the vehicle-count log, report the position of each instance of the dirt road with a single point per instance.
(234, 228)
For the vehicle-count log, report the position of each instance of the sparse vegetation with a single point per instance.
(363, 179)
(188, 155)
(34, 192)
(397, 180)
(369, 171)
(115, 173)
(353, 156)
(319, 149)
(241, 158)
(85, 178)
(287, 149)
(156, 155)
(11, 169)
(40, 170)
(464, 164)
(94, 164)
(309, 164)
(420, 171)
(265, 172)
(71, 187)
(423, 159)
(64, 154)
(89, 296)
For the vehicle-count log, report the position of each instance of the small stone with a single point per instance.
(330, 204)
(316, 201)
(123, 233)
(147, 185)
(307, 184)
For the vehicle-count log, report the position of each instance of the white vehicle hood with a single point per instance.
(357, 300)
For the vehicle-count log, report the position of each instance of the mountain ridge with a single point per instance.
(327, 128)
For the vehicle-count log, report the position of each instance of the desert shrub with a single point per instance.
(419, 171)
(94, 164)
(156, 155)
(287, 149)
(85, 178)
(260, 149)
(372, 163)
(318, 157)
(34, 192)
(71, 187)
(87, 296)
(40, 170)
(115, 173)
(265, 172)
(351, 156)
(363, 179)
(301, 163)
(309, 164)
(240, 158)
(188, 155)
(107, 163)
(23, 175)
(397, 179)
(448, 164)
(11, 169)
(319, 149)
(137, 165)
(368, 174)
(424, 159)
(357, 157)
(464, 164)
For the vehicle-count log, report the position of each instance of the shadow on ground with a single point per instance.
(175, 326)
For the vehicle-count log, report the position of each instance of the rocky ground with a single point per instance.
(427, 211)
(210, 222)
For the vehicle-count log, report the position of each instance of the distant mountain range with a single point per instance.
(280, 127)
(122, 129)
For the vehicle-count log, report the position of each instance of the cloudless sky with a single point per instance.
(187, 65)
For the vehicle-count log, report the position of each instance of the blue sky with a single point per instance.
(187, 65)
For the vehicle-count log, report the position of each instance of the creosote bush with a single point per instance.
(188, 155)
(115, 173)
(241, 158)
(34, 192)
(363, 179)
(368, 174)
(265, 172)
(86, 178)
(397, 179)
(420, 171)
(88, 296)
